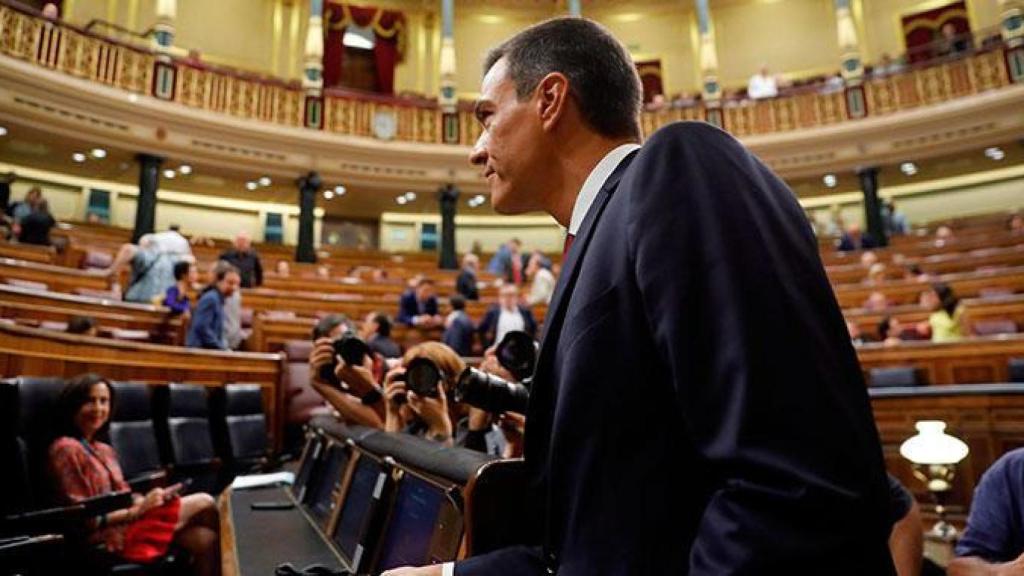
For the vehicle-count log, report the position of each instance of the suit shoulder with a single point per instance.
(699, 136)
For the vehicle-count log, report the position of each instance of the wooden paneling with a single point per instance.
(971, 361)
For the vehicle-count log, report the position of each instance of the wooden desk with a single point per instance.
(980, 359)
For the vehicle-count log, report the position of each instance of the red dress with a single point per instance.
(86, 469)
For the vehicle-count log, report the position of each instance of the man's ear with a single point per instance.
(552, 99)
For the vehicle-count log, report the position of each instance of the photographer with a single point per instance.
(350, 388)
(423, 414)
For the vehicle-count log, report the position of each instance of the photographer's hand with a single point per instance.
(360, 379)
(434, 412)
(393, 389)
(322, 354)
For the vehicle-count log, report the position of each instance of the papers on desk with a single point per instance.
(261, 480)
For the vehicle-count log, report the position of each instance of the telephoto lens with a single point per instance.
(488, 392)
(351, 349)
(422, 377)
(517, 353)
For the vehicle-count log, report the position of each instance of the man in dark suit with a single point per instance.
(465, 284)
(418, 306)
(506, 316)
(458, 328)
(697, 407)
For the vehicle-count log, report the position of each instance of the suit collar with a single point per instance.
(595, 181)
(570, 266)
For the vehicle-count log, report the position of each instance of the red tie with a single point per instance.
(568, 244)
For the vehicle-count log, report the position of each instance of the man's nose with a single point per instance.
(478, 155)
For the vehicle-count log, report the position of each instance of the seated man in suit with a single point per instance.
(465, 284)
(691, 321)
(505, 316)
(993, 543)
(418, 306)
(458, 328)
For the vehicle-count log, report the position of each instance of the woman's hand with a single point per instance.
(153, 499)
(433, 412)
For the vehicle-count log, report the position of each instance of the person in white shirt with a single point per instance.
(542, 281)
(762, 85)
(506, 316)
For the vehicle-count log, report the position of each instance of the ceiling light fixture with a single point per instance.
(78, 157)
(401, 200)
(185, 169)
(98, 153)
(3, 131)
(830, 180)
(328, 194)
(250, 185)
(170, 174)
(410, 196)
(995, 153)
(908, 168)
(264, 181)
(340, 190)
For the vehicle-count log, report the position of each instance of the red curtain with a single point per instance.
(389, 40)
(650, 79)
(922, 31)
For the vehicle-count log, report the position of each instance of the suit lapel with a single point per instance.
(570, 267)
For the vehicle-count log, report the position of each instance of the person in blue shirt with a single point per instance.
(993, 542)
(176, 297)
(207, 328)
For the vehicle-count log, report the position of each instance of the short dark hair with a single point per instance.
(602, 77)
(181, 269)
(81, 324)
(884, 326)
(457, 302)
(73, 396)
(383, 324)
(327, 324)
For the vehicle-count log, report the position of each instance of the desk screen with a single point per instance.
(410, 529)
(323, 486)
(357, 507)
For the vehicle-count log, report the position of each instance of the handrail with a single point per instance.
(99, 21)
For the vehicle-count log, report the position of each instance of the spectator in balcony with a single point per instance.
(418, 306)
(506, 316)
(84, 325)
(895, 221)
(763, 85)
(246, 260)
(887, 66)
(176, 297)
(465, 284)
(50, 11)
(36, 226)
(993, 542)
(376, 331)
(952, 44)
(855, 239)
(542, 281)
(207, 328)
(946, 320)
(458, 328)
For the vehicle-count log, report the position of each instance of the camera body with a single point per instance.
(351, 349)
(422, 378)
(517, 353)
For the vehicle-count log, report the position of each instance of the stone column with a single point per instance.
(872, 205)
(574, 8)
(145, 206)
(166, 13)
(712, 91)
(851, 64)
(448, 99)
(1011, 17)
(309, 186)
(313, 68)
(448, 198)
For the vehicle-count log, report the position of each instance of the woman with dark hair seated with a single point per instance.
(947, 317)
(84, 467)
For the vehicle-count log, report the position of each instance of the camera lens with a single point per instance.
(351, 349)
(488, 392)
(517, 353)
(422, 377)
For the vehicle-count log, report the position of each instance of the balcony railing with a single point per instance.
(77, 52)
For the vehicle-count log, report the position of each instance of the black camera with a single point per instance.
(351, 349)
(421, 377)
(517, 353)
(488, 392)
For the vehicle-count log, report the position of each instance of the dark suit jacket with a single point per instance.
(459, 336)
(697, 407)
(465, 284)
(489, 325)
(409, 307)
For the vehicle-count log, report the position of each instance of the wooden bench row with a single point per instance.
(977, 310)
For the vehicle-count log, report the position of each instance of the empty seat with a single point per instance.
(132, 433)
(97, 259)
(189, 436)
(36, 427)
(993, 327)
(302, 402)
(894, 376)
(1016, 369)
(246, 426)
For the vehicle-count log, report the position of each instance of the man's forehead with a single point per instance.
(494, 80)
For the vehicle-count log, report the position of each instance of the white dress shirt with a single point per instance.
(761, 86)
(591, 186)
(595, 180)
(508, 321)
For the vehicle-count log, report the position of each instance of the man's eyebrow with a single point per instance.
(478, 104)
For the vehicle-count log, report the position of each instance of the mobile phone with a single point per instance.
(272, 505)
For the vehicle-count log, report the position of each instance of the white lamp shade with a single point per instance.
(931, 445)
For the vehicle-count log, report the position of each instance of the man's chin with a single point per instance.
(505, 205)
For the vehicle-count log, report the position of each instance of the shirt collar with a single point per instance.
(592, 185)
